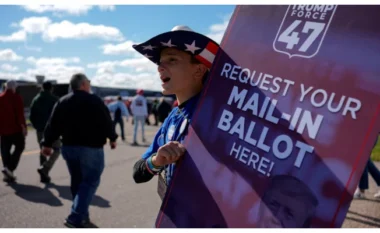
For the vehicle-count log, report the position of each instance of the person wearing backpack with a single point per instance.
(119, 109)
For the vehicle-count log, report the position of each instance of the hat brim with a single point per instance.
(201, 47)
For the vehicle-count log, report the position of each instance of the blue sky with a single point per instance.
(57, 41)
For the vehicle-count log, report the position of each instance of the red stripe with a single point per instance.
(213, 48)
(204, 61)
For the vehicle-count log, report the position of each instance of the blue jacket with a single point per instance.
(174, 128)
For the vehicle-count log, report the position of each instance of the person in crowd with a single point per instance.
(154, 111)
(149, 106)
(13, 129)
(119, 110)
(84, 123)
(163, 110)
(363, 183)
(40, 111)
(140, 112)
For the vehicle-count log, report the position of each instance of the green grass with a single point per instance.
(376, 151)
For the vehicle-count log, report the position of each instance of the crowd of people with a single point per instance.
(140, 110)
(79, 124)
(76, 126)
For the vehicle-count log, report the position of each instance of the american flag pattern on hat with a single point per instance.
(201, 47)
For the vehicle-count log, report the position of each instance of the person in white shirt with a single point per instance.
(140, 112)
(119, 110)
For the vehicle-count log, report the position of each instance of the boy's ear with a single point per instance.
(201, 70)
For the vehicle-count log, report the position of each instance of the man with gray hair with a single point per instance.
(13, 129)
(84, 123)
(287, 203)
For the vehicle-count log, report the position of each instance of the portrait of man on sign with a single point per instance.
(287, 203)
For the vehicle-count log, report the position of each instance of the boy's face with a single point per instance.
(177, 73)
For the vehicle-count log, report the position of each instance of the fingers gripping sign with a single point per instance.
(168, 154)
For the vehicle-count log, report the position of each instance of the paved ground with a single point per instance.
(119, 202)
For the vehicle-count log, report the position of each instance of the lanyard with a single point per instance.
(163, 178)
(182, 129)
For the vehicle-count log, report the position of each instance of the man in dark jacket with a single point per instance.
(40, 111)
(84, 122)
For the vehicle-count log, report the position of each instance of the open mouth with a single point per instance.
(165, 80)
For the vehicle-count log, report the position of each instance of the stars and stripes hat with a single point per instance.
(182, 38)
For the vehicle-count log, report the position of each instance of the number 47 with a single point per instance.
(290, 37)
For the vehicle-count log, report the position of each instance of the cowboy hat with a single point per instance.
(203, 48)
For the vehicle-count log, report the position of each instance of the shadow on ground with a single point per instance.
(65, 193)
(44, 195)
(35, 194)
(377, 220)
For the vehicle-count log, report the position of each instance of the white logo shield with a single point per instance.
(303, 29)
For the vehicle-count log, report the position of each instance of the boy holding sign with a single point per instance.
(184, 58)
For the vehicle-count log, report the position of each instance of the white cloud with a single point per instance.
(217, 30)
(8, 67)
(61, 73)
(117, 49)
(31, 48)
(141, 64)
(53, 61)
(13, 25)
(35, 25)
(53, 68)
(138, 65)
(14, 37)
(15, 76)
(110, 65)
(69, 30)
(9, 55)
(62, 30)
(127, 80)
(141, 74)
(71, 9)
(107, 7)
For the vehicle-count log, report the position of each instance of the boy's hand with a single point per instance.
(168, 153)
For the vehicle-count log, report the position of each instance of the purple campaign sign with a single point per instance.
(286, 123)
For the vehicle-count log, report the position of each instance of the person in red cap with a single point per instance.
(139, 110)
